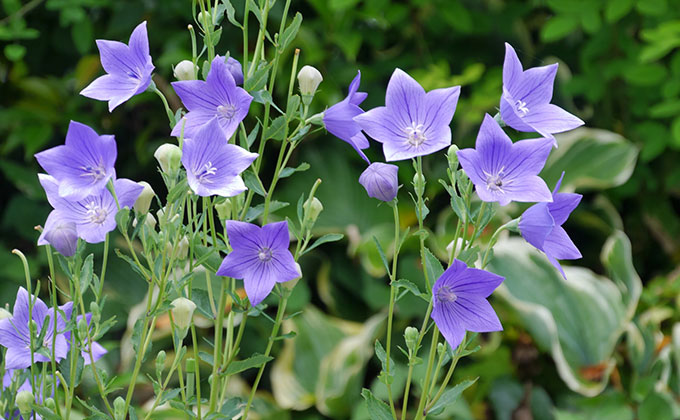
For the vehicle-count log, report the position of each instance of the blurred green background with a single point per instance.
(619, 72)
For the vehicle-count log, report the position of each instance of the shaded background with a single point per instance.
(619, 71)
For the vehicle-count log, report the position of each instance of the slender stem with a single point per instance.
(197, 371)
(390, 313)
(275, 330)
(430, 363)
(448, 376)
(421, 335)
(31, 324)
(168, 111)
(214, 389)
(53, 282)
(260, 39)
(103, 273)
(494, 238)
(207, 29)
(246, 13)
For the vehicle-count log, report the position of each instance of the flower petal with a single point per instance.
(476, 314)
(238, 264)
(549, 119)
(243, 235)
(560, 246)
(113, 88)
(259, 283)
(512, 68)
(535, 224)
(276, 236)
(526, 157)
(449, 325)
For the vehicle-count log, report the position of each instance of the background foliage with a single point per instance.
(619, 71)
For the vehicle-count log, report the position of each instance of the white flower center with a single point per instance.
(495, 182)
(521, 107)
(96, 172)
(204, 174)
(264, 254)
(415, 134)
(445, 294)
(96, 213)
(227, 111)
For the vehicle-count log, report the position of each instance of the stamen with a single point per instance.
(445, 294)
(415, 134)
(227, 111)
(96, 213)
(207, 171)
(96, 172)
(264, 254)
(495, 182)
(522, 107)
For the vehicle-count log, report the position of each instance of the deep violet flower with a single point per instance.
(84, 164)
(128, 69)
(61, 233)
(460, 302)
(14, 331)
(339, 119)
(260, 257)
(503, 171)
(217, 96)
(525, 104)
(541, 226)
(94, 215)
(381, 181)
(412, 123)
(213, 165)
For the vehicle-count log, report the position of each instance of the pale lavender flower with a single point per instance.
(503, 171)
(236, 70)
(541, 226)
(7, 379)
(381, 181)
(459, 302)
(60, 233)
(129, 69)
(339, 119)
(84, 164)
(217, 96)
(14, 331)
(94, 215)
(260, 257)
(525, 104)
(213, 165)
(412, 123)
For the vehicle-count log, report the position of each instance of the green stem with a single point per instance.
(448, 376)
(421, 335)
(53, 281)
(246, 13)
(430, 363)
(103, 273)
(168, 111)
(31, 329)
(390, 313)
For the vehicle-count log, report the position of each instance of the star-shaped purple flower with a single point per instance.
(260, 257)
(412, 123)
(213, 165)
(61, 233)
(94, 215)
(503, 171)
(129, 69)
(339, 119)
(525, 104)
(381, 181)
(217, 96)
(460, 302)
(84, 164)
(14, 331)
(541, 226)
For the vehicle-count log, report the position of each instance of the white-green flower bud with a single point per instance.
(149, 221)
(419, 184)
(96, 312)
(441, 348)
(185, 70)
(183, 249)
(160, 362)
(23, 401)
(223, 209)
(82, 328)
(309, 79)
(50, 404)
(119, 409)
(144, 200)
(182, 312)
(290, 284)
(312, 209)
(452, 155)
(411, 338)
(4, 313)
(169, 157)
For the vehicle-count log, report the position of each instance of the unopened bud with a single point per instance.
(452, 155)
(419, 184)
(290, 284)
(96, 312)
(182, 312)
(309, 79)
(160, 362)
(441, 348)
(185, 70)
(204, 17)
(183, 249)
(82, 328)
(144, 200)
(50, 404)
(168, 157)
(119, 408)
(23, 401)
(411, 338)
(149, 221)
(223, 209)
(4, 313)
(312, 209)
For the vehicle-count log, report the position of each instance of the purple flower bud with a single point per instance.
(60, 233)
(235, 69)
(380, 181)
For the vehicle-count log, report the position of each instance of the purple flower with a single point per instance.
(97, 350)
(339, 119)
(236, 70)
(412, 123)
(213, 165)
(460, 302)
(260, 257)
(84, 164)
(94, 215)
(60, 233)
(14, 332)
(541, 226)
(381, 181)
(525, 104)
(10, 377)
(217, 96)
(503, 171)
(129, 69)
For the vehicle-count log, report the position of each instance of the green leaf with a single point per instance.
(15, 52)
(450, 396)
(382, 254)
(262, 97)
(616, 9)
(277, 128)
(291, 32)
(286, 172)
(202, 300)
(231, 14)
(645, 74)
(253, 182)
(409, 286)
(434, 266)
(86, 273)
(559, 27)
(253, 361)
(377, 410)
(255, 212)
(208, 257)
(331, 237)
(258, 80)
